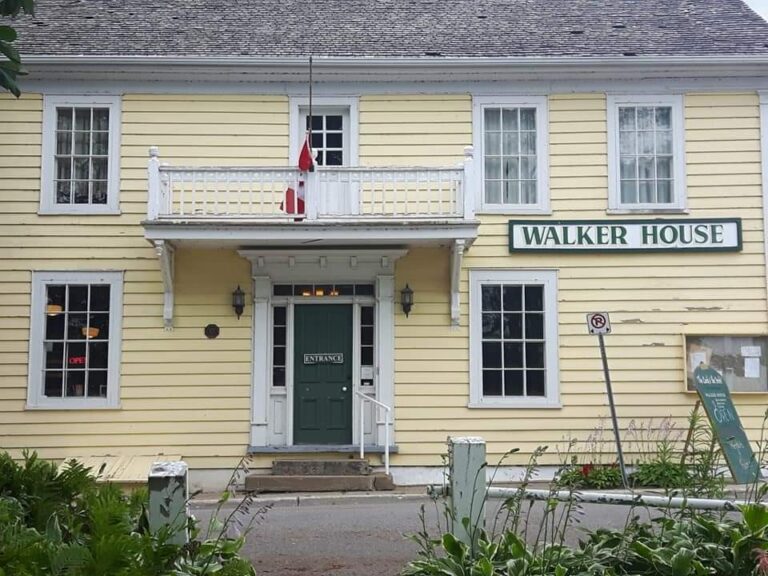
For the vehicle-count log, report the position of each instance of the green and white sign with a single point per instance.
(726, 425)
(712, 234)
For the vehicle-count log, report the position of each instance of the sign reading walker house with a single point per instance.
(713, 234)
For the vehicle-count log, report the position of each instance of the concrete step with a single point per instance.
(324, 483)
(351, 467)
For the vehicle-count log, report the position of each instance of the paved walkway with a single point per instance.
(357, 535)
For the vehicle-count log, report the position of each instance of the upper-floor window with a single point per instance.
(334, 126)
(80, 165)
(646, 157)
(75, 339)
(512, 166)
(328, 136)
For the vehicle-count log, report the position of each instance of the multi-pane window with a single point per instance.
(279, 341)
(82, 155)
(646, 155)
(327, 138)
(513, 338)
(81, 141)
(366, 344)
(307, 290)
(509, 156)
(75, 338)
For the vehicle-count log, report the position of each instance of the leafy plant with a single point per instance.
(600, 477)
(10, 64)
(64, 523)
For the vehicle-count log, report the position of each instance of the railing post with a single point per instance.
(311, 195)
(168, 496)
(362, 427)
(468, 183)
(467, 486)
(153, 181)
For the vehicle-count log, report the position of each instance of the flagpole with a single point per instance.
(310, 110)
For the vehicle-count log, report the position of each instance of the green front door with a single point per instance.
(322, 374)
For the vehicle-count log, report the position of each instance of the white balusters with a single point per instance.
(330, 193)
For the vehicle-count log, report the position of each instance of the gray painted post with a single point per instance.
(168, 496)
(467, 486)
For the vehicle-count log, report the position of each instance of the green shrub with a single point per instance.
(66, 524)
(599, 477)
(659, 474)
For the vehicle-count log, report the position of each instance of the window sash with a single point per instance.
(646, 155)
(510, 156)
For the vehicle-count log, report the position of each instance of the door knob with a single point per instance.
(344, 389)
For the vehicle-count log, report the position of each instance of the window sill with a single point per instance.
(79, 212)
(514, 212)
(73, 406)
(501, 405)
(629, 211)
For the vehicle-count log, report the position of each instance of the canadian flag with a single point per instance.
(294, 197)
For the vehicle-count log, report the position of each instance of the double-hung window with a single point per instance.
(513, 338)
(510, 138)
(81, 140)
(646, 155)
(74, 352)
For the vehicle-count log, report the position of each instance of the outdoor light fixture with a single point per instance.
(406, 300)
(238, 301)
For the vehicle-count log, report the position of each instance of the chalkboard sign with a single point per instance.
(725, 422)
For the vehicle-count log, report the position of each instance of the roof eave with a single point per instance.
(343, 66)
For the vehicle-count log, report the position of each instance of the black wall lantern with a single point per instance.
(406, 300)
(238, 301)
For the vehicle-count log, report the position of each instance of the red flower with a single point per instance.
(762, 561)
(586, 469)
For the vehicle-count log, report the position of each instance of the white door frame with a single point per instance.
(271, 408)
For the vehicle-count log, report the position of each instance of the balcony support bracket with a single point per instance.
(165, 254)
(457, 254)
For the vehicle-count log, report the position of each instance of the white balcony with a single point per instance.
(259, 205)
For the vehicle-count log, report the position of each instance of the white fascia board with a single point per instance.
(337, 68)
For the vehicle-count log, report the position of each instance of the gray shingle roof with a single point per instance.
(393, 28)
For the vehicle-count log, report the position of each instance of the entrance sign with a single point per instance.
(324, 358)
(598, 323)
(726, 425)
(710, 235)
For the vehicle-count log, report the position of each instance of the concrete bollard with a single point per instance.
(168, 496)
(467, 486)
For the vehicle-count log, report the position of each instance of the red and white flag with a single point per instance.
(294, 197)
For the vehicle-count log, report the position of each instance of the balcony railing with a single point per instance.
(329, 193)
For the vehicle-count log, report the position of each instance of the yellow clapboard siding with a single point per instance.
(185, 394)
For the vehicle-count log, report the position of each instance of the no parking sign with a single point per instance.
(598, 323)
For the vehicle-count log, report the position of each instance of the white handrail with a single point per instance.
(363, 398)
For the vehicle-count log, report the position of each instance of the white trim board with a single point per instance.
(35, 397)
(107, 85)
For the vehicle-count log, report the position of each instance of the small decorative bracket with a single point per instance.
(457, 253)
(165, 253)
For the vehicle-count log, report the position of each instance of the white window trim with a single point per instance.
(349, 106)
(48, 203)
(548, 278)
(35, 397)
(540, 103)
(615, 206)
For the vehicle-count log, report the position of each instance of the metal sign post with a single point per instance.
(598, 323)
